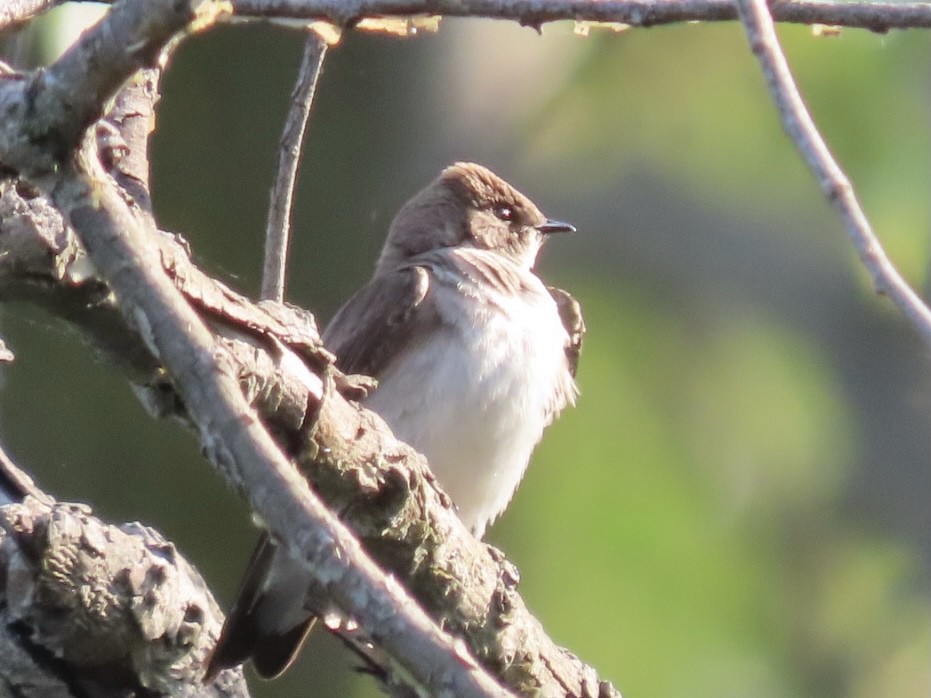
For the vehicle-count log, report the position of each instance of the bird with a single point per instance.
(473, 356)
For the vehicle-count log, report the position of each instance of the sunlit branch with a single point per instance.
(799, 125)
(278, 229)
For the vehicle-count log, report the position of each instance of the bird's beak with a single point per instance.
(555, 227)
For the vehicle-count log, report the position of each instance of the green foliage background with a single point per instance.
(738, 505)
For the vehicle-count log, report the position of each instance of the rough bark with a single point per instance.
(89, 609)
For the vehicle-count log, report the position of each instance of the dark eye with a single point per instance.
(504, 213)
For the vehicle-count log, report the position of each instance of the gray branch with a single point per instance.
(875, 16)
(94, 610)
(278, 229)
(798, 124)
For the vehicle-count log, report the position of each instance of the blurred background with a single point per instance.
(739, 504)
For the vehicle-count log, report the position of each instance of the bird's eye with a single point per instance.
(504, 213)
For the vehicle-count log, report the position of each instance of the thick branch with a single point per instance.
(798, 124)
(43, 117)
(93, 610)
(123, 137)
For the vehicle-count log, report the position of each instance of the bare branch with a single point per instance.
(124, 150)
(876, 16)
(798, 124)
(94, 610)
(15, 484)
(349, 441)
(42, 118)
(278, 230)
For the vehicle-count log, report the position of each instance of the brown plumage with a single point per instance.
(474, 357)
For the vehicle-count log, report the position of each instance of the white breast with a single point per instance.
(475, 395)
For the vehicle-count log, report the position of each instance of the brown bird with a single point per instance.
(474, 358)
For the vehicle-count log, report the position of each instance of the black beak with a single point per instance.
(555, 227)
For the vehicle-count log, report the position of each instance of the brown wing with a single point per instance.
(242, 636)
(380, 320)
(366, 334)
(570, 312)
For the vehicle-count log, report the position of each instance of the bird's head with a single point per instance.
(470, 206)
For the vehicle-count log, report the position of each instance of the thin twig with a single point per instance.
(278, 230)
(15, 484)
(798, 124)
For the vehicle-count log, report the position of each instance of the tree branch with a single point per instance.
(278, 229)
(93, 610)
(15, 484)
(124, 142)
(875, 16)
(798, 124)
(43, 118)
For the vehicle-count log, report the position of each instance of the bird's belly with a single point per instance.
(475, 396)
